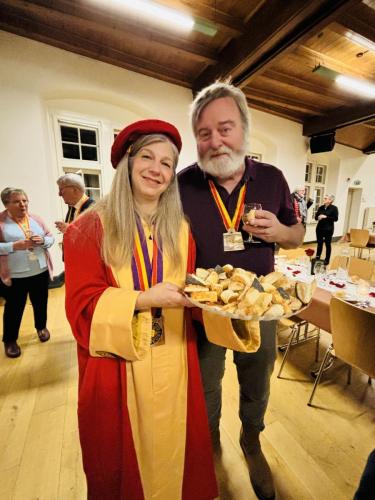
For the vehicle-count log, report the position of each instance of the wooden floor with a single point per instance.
(315, 453)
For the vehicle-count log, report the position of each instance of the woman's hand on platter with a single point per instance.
(164, 294)
(22, 245)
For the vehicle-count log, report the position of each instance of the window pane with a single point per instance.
(93, 193)
(70, 151)
(91, 180)
(308, 172)
(89, 153)
(87, 136)
(69, 134)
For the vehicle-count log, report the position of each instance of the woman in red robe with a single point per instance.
(142, 419)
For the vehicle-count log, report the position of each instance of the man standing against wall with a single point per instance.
(220, 121)
(72, 191)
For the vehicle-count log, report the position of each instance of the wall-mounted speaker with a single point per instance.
(322, 143)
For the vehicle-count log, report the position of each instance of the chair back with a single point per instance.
(339, 261)
(359, 237)
(353, 334)
(362, 268)
(292, 253)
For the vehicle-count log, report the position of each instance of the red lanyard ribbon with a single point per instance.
(229, 223)
(146, 273)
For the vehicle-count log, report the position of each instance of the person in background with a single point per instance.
(142, 418)
(212, 192)
(300, 204)
(25, 267)
(72, 191)
(326, 215)
(366, 487)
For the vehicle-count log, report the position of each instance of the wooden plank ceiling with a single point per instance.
(269, 48)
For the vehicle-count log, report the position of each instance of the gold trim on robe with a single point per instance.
(157, 377)
(238, 335)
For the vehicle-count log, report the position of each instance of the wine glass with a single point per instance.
(249, 210)
(319, 271)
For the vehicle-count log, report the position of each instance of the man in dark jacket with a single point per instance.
(72, 191)
(326, 216)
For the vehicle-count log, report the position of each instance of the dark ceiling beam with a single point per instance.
(370, 149)
(95, 26)
(361, 22)
(276, 27)
(75, 43)
(341, 118)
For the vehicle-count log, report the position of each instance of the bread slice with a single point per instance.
(208, 296)
(196, 288)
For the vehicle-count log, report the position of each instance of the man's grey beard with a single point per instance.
(222, 167)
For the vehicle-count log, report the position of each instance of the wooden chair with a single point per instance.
(292, 253)
(362, 268)
(353, 340)
(359, 239)
(339, 261)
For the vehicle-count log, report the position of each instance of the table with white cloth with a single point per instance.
(329, 284)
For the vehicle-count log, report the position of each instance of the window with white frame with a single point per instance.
(79, 152)
(315, 182)
(79, 142)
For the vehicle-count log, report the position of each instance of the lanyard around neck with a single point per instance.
(146, 273)
(234, 222)
(24, 225)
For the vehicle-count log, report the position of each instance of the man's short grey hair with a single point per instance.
(331, 197)
(216, 91)
(74, 180)
(299, 188)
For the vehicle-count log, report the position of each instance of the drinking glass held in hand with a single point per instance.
(249, 211)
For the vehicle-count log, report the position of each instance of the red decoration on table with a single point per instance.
(338, 285)
(309, 252)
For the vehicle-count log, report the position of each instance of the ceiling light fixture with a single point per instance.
(361, 87)
(154, 13)
(360, 40)
(365, 89)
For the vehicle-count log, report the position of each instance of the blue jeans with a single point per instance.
(254, 371)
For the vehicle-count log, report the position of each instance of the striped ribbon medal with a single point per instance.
(24, 225)
(232, 238)
(146, 274)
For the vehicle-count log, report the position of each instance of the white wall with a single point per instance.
(38, 82)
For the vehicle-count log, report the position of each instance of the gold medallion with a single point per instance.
(157, 331)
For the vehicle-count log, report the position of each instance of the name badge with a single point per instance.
(157, 331)
(233, 241)
(31, 255)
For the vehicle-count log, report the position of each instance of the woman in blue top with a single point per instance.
(25, 267)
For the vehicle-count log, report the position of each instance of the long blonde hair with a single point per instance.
(118, 210)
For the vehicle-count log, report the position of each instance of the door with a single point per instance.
(353, 205)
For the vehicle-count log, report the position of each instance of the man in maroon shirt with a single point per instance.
(226, 177)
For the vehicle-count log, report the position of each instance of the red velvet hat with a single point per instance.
(130, 134)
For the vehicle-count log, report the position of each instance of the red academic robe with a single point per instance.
(109, 456)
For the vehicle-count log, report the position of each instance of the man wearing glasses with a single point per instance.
(72, 191)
